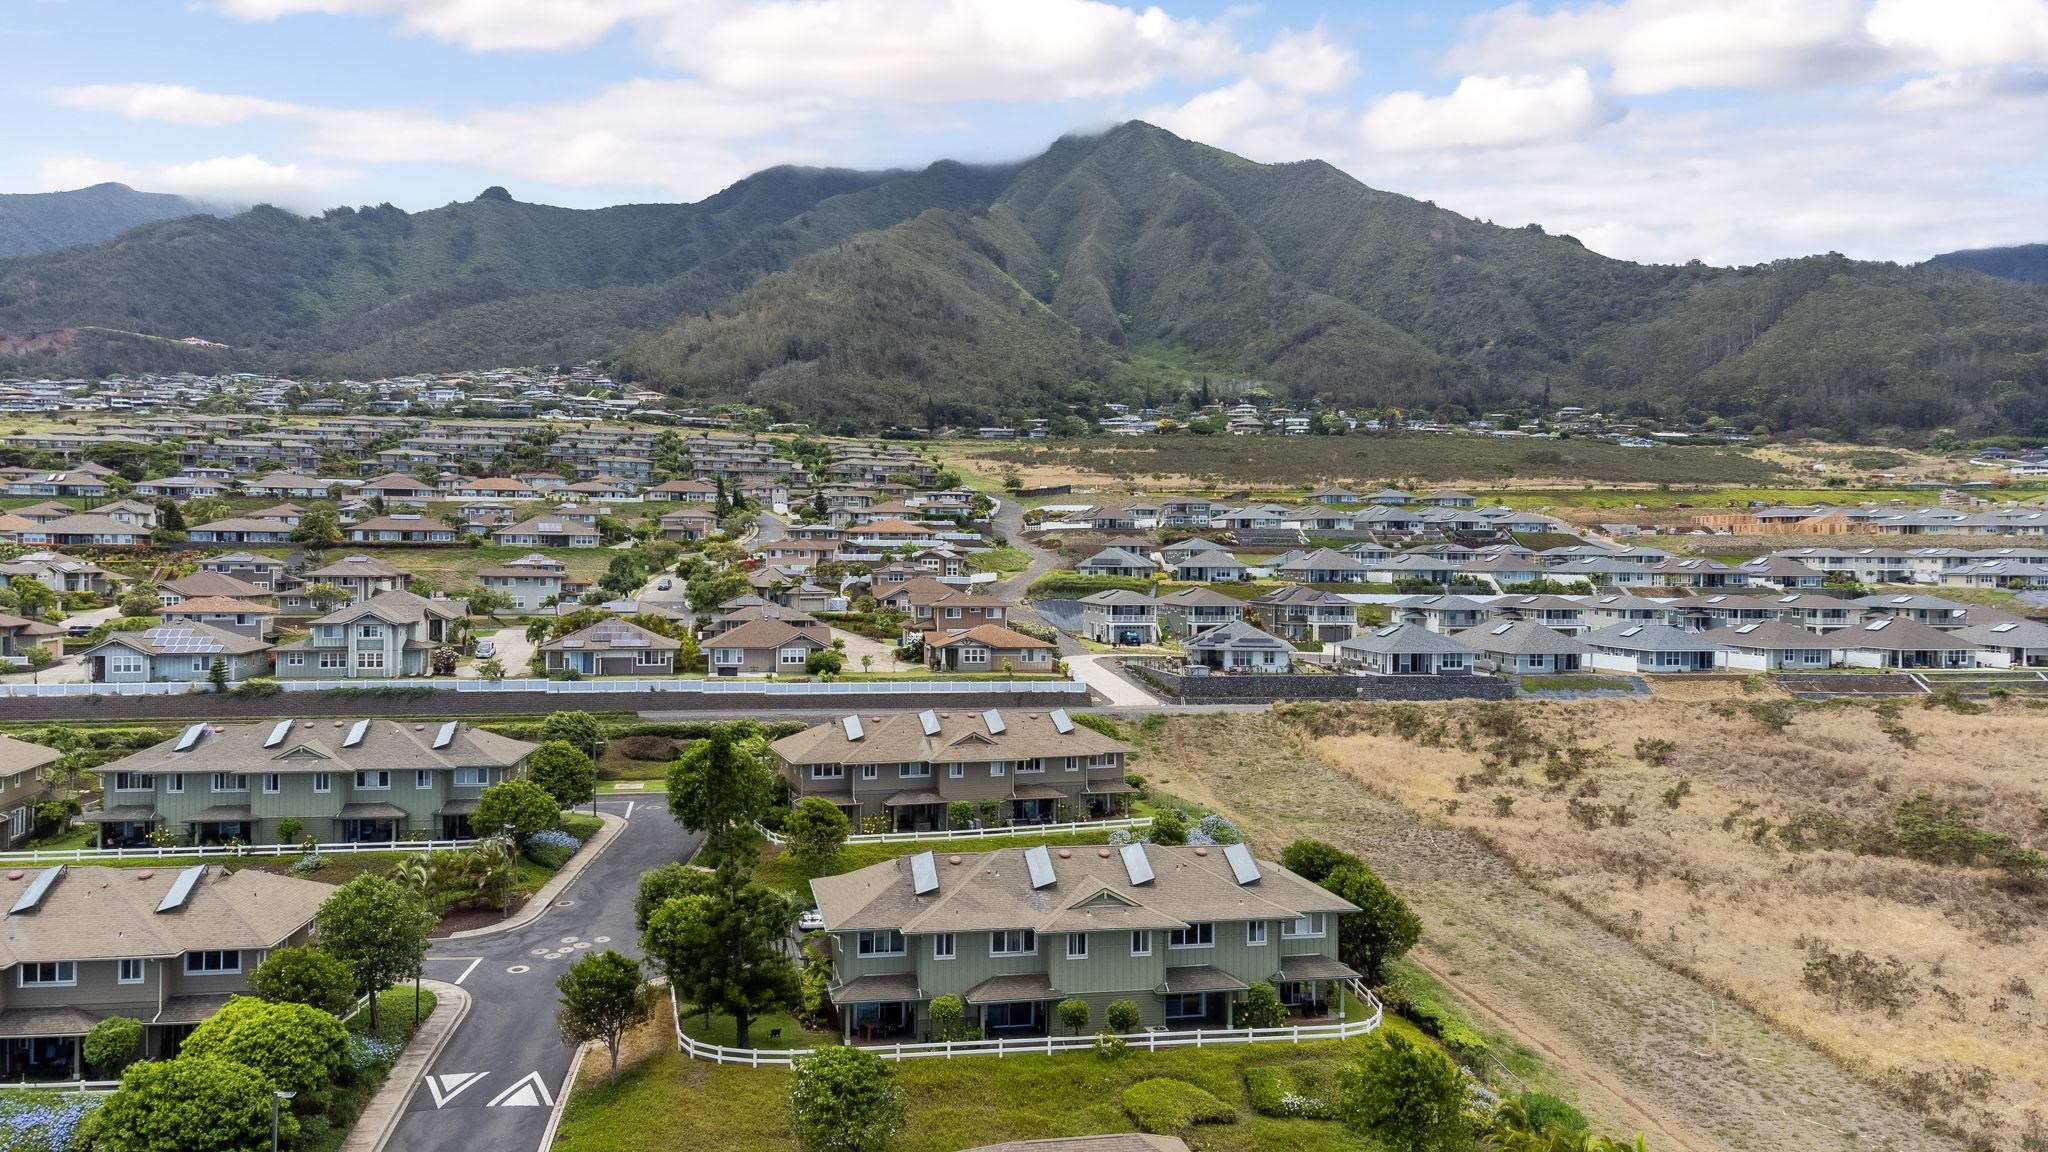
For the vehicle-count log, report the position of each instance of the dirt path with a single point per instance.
(1649, 1049)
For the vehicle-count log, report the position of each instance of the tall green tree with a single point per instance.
(297, 1047)
(1384, 928)
(575, 727)
(844, 1099)
(564, 771)
(815, 829)
(664, 884)
(1406, 1096)
(379, 929)
(318, 525)
(524, 805)
(723, 783)
(191, 1104)
(603, 994)
(724, 951)
(312, 976)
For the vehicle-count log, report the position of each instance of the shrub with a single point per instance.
(1312, 860)
(306, 976)
(308, 864)
(1109, 1045)
(288, 829)
(949, 1019)
(844, 1100)
(197, 1103)
(1548, 1113)
(1164, 1106)
(959, 814)
(1214, 828)
(823, 661)
(1169, 828)
(526, 806)
(1282, 1092)
(111, 1044)
(1073, 1014)
(256, 687)
(564, 770)
(1102, 724)
(1651, 750)
(294, 1046)
(1122, 1016)
(552, 848)
(1260, 1008)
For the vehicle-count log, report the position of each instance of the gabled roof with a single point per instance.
(1651, 638)
(357, 566)
(1237, 636)
(22, 756)
(772, 634)
(204, 604)
(214, 585)
(111, 913)
(320, 746)
(993, 636)
(901, 737)
(183, 638)
(393, 607)
(611, 635)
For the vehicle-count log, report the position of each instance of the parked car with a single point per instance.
(812, 920)
(79, 630)
(485, 649)
(665, 584)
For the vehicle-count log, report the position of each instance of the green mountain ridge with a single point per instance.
(964, 295)
(2027, 263)
(44, 221)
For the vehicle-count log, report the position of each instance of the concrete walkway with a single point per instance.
(539, 901)
(380, 1117)
(1106, 683)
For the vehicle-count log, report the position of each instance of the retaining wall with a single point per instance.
(1269, 687)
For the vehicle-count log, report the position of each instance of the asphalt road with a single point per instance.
(494, 1084)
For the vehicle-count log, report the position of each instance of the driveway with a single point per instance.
(67, 670)
(858, 646)
(514, 649)
(494, 1084)
(1105, 682)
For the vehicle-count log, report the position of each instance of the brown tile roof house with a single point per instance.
(986, 648)
(612, 648)
(242, 617)
(166, 946)
(766, 646)
(212, 586)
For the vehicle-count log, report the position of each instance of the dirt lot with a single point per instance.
(1660, 962)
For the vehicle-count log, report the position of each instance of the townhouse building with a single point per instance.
(1305, 614)
(21, 787)
(362, 577)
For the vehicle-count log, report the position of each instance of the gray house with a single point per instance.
(1116, 562)
(612, 648)
(1180, 932)
(1406, 650)
(175, 652)
(389, 635)
(166, 946)
(1524, 646)
(21, 787)
(1189, 612)
(1239, 646)
(1652, 648)
(1119, 617)
(342, 780)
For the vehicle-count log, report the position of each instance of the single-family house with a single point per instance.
(531, 583)
(1774, 645)
(249, 618)
(1322, 566)
(175, 652)
(1116, 562)
(1186, 612)
(398, 488)
(987, 648)
(2017, 643)
(1887, 641)
(21, 788)
(612, 648)
(1305, 614)
(362, 577)
(1652, 648)
(1238, 646)
(1405, 650)
(401, 528)
(390, 635)
(1524, 647)
(765, 647)
(1119, 617)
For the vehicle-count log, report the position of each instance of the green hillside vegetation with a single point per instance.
(43, 221)
(2024, 262)
(1112, 267)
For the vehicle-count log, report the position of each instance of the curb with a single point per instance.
(547, 1136)
(405, 1075)
(544, 899)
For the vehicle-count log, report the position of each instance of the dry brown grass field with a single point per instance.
(1708, 857)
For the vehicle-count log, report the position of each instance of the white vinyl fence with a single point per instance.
(730, 686)
(982, 833)
(89, 855)
(1045, 1045)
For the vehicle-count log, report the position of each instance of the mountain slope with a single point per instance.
(2027, 263)
(45, 221)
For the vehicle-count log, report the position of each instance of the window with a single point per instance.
(370, 632)
(944, 947)
(1102, 760)
(1187, 1004)
(381, 778)
(1026, 767)
(974, 655)
(994, 613)
(199, 665)
(918, 771)
(48, 974)
(472, 777)
(1193, 936)
(792, 656)
(334, 659)
(870, 771)
(230, 782)
(1077, 945)
(422, 779)
(728, 656)
(369, 660)
(130, 972)
(885, 942)
(1013, 942)
(323, 782)
(1309, 925)
(212, 963)
(124, 663)
(996, 767)
(955, 771)
(295, 659)
(273, 783)
(828, 771)
(952, 613)
(655, 659)
(175, 782)
(1141, 942)
(1255, 933)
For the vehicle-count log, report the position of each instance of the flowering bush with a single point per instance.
(1121, 837)
(1213, 829)
(365, 1052)
(552, 848)
(1304, 1107)
(42, 1121)
(309, 863)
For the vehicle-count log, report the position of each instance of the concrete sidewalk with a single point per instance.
(541, 900)
(1117, 691)
(380, 1117)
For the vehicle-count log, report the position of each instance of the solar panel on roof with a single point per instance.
(356, 733)
(1502, 629)
(1788, 599)
(1902, 599)
(1877, 625)
(1136, 866)
(1061, 722)
(1630, 631)
(1242, 866)
(1746, 629)
(924, 874)
(2007, 626)
(277, 734)
(181, 888)
(446, 735)
(928, 720)
(37, 888)
(993, 721)
(190, 737)
(851, 726)
(1039, 861)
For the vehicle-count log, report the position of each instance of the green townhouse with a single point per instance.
(356, 781)
(1180, 932)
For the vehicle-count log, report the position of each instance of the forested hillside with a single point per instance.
(2027, 263)
(43, 221)
(974, 294)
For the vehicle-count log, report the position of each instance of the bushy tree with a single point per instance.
(523, 804)
(1261, 1007)
(112, 1044)
(318, 525)
(1384, 928)
(844, 1099)
(723, 950)
(484, 601)
(1313, 859)
(1169, 828)
(1406, 1096)
(815, 829)
(664, 884)
(564, 771)
(824, 661)
(191, 1104)
(379, 929)
(1073, 1014)
(603, 994)
(723, 783)
(578, 729)
(948, 1016)
(1122, 1016)
(297, 1047)
(306, 976)
(139, 602)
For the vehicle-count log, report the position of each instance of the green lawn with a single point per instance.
(779, 870)
(669, 1101)
(721, 1030)
(1006, 560)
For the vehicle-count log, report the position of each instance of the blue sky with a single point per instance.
(1732, 131)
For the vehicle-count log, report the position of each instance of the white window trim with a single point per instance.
(871, 771)
(223, 971)
(1135, 934)
(879, 937)
(919, 770)
(141, 971)
(357, 781)
(174, 783)
(323, 781)
(828, 771)
(955, 771)
(1004, 934)
(951, 951)
(1255, 933)
(422, 779)
(1074, 938)
(471, 777)
(1192, 930)
(1307, 927)
(230, 777)
(273, 783)
(59, 968)
(996, 767)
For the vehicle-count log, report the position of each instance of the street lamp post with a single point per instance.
(505, 894)
(277, 1099)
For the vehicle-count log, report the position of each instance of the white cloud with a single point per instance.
(1653, 46)
(481, 25)
(1964, 90)
(172, 103)
(247, 178)
(1961, 34)
(1487, 112)
(1305, 62)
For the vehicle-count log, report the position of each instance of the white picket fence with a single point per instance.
(717, 686)
(88, 855)
(1046, 1045)
(80, 1086)
(982, 833)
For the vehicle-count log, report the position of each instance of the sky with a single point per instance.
(1729, 131)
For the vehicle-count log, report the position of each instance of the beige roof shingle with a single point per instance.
(109, 913)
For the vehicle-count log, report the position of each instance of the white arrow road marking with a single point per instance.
(629, 810)
(448, 1087)
(529, 1092)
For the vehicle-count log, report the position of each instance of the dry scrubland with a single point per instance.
(1722, 838)
(1578, 941)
